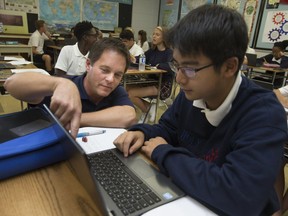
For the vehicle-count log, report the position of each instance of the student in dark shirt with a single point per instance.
(222, 139)
(104, 102)
(277, 57)
(159, 56)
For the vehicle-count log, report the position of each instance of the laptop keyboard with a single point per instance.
(128, 191)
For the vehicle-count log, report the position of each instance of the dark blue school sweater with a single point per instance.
(230, 168)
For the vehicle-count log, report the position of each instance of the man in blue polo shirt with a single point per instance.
(104, 102)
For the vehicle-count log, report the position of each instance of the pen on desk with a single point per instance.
(90, 133)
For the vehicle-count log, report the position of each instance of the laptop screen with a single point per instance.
(252, 59)
(78, 161)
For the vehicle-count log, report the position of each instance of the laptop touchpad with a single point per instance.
(143, 169)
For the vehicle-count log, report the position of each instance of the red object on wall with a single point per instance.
(283, 1)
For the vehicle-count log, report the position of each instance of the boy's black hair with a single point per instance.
(281, 44)
(212, 30)
(126, 34)
(82, 28)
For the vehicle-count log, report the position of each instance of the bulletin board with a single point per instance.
(273, 25)
(169, 12)
(250, 9)
(173, 10)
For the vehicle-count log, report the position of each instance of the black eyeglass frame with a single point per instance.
(187, 71)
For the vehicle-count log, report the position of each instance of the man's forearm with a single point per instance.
(117, 116)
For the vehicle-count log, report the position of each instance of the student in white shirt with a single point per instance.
(127, 38)
(37, 42)
(72, 58)
(142, 40)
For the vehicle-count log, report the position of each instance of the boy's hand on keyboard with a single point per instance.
(151, 144)
(129, 142)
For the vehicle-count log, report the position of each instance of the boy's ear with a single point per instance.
(231, 66)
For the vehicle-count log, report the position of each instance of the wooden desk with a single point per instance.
(4, 74)
(53, 190)
(133, 72)
(17, 49)
(261, 71)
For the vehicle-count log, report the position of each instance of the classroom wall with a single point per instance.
(145, 16)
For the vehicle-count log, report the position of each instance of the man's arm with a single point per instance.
(116, 116)
(65, 98)
(34, 50)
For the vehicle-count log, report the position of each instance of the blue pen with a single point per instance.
(90, 133)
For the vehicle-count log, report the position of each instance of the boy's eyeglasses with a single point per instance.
(187, 71)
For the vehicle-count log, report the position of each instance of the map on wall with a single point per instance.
(103, 15)
(60, 15)
(188, 5)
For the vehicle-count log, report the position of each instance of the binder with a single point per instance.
(28, 140)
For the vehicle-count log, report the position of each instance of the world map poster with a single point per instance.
(60, 15)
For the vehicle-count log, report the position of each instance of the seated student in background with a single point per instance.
(276, 57)
(72, 58)
(37, 42)
(158, 56)
(216, 141)
(142, 40)
(127, 38)
(104, 102)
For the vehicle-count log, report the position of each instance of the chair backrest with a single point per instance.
(173, 86)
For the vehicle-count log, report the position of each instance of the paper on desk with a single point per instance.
(11, 58)
(99, 142)
(37, 70)
(185, 206)
(20, 62)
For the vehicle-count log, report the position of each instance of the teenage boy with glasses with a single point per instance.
(222, 139)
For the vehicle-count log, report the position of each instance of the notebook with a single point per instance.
(136, 188)
(252, 59)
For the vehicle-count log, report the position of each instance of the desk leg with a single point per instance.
(158, 97)
(273, 79)
(124, 82)
(284, 79)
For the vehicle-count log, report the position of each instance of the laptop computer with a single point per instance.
(126, 186)
(252, 59)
